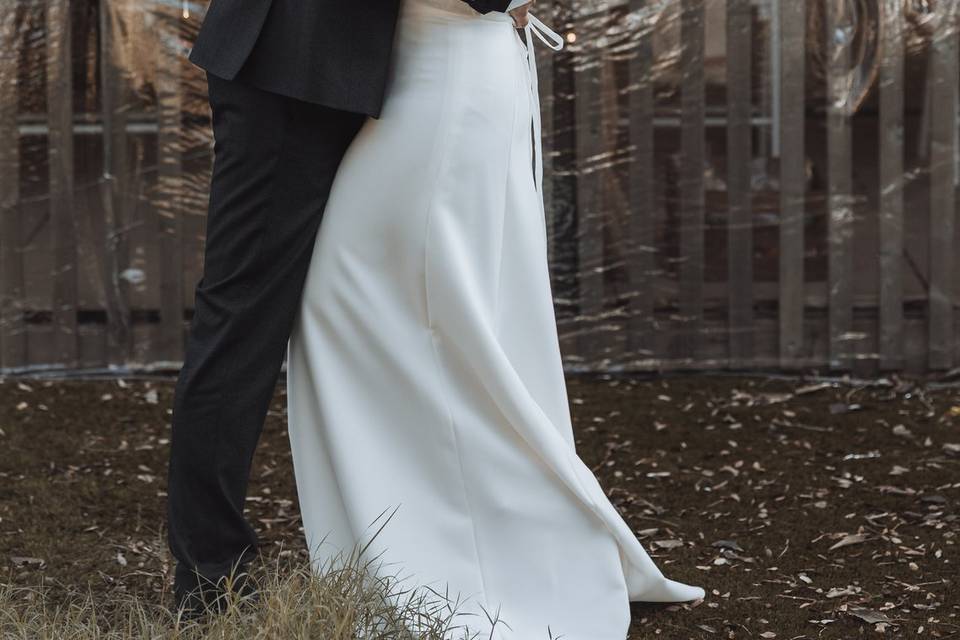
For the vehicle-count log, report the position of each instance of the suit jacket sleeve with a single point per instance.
(486, 6)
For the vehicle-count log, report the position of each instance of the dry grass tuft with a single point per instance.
(346, 599)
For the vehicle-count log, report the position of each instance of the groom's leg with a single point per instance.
(274, 162)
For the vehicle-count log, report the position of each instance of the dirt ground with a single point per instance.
(807, 508)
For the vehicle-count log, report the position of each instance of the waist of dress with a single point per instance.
(455, 10)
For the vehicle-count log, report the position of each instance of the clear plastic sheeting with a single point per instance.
(742, 184)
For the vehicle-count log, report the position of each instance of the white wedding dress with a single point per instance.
(424, 372)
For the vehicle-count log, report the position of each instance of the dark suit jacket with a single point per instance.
(330, 52)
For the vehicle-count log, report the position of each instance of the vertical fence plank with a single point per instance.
(60, 153)
(691, 181)
(739, 196)
(891, 187)
(13, 334)
(641, 185)
(589, 149)
(170, 183)
(943, 100)
(792, 180)
(146, 223)
(840, 189)
(114, 187)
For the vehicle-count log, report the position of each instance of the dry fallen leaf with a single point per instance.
(850, 539)
(666, 544)
(868, 616)
(23, 561)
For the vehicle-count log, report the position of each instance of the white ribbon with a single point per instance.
(550, 38)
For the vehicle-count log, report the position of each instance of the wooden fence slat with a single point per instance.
(13, 333)
(943, 212)
(691, 180)
(63, 221)
(891, 186)
(840, 191)
(642, 198)
(145, 222)
(590, 221)
(170, 183)
(792, 180)
(115, 199)
(739, 196)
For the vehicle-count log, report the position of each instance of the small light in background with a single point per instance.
(571, 37)
(186, 10)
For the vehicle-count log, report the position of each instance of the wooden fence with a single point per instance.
(731, 184)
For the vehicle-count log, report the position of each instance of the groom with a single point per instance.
(290, 83)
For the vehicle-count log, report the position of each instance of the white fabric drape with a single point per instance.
(424, 372)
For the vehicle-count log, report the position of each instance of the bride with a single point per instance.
(424, 374)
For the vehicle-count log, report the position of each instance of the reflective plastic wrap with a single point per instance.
(730, 184)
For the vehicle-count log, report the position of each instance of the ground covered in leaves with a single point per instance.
(807, 508)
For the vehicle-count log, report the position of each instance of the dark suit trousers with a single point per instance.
(274, 162)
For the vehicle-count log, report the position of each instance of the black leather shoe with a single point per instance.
(196, 597)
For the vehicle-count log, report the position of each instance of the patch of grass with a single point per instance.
(345, 599)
